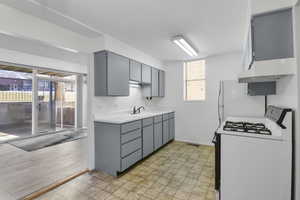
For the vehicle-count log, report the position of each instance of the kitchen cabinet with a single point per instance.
(272, 35)
(161, 83)
(158, 133)
(248, 52)
(148, 137)
(157, 86)
(146, 74)
(120, 145)
(135, 71)
(117, 146)
(111, 74)
(155, 82)
(166, 131)
(171, 126)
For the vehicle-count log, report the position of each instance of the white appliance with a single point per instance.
(254, 157)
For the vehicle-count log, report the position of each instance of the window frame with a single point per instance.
(186, 80)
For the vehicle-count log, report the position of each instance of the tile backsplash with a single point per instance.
(104, 105)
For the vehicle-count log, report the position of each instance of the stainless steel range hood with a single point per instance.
(269, 70)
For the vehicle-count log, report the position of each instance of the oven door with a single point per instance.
(217, 142)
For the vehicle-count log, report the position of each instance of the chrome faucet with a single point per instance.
(137, 110)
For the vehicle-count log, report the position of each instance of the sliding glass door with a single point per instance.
(56, 104)
(47, 101)
(15, 102)
(34, 101)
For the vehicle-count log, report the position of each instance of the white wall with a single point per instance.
(124, 49)
(19, 23)
(197, 121)
(261, 6)
(20, 32)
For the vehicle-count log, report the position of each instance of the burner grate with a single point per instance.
(246, 127)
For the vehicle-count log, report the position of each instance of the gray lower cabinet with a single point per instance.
(131, 159)
(148, 140)
(171, 128)
(135, 71)
(158, 137)
(111, 74)
(165, 131)
(117, 147)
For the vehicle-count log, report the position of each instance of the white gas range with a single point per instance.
(254, 157)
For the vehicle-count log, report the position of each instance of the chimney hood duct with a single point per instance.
(269, 70)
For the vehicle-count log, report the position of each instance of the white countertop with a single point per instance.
(124, 117)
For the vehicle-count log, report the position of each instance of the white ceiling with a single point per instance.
(213, 26)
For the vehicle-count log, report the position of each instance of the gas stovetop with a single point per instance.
(246, 127)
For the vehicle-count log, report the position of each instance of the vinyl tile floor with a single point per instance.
(178, 171)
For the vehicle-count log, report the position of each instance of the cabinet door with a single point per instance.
(155, 83)
(135, 71)
(171, 129)
(148, 146)
(146, 74)
(157, 135)
(118, 75)
(166, 131)
(100, 73)
(273, 35)
(247, 53)
(161, 83)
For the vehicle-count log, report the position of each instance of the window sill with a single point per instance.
(191, 101)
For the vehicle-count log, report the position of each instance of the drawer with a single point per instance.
(131, 136)
(148, 121)
(131, 126)
(131, 159)
(165, 116)
(130, 147)
(171, 115)
(158, 119)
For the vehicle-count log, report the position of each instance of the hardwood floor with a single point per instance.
(22, 173)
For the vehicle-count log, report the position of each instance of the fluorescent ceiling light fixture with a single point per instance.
(185, 46)
(67, 49)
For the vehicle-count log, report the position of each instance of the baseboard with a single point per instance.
(193, 142)
(53, 186)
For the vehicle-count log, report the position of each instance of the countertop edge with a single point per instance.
(120, 122)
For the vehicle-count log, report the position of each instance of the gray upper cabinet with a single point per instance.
(272, 35)
(146, 74)
(135, 71)
(161, 83)
(111, 74)
(155, 83)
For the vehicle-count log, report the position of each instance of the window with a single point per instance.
(194, 80)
